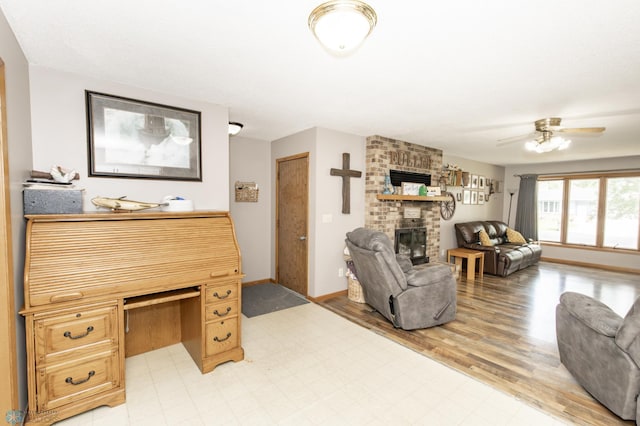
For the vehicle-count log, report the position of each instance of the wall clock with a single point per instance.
(448, 207)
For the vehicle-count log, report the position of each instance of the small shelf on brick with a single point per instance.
(394, 197)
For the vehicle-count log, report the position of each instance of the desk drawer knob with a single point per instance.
(224, 313)
(222, 297)
(79, 336)
(81, 381)
(218, 339)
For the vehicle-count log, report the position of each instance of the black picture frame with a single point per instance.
(130, 138)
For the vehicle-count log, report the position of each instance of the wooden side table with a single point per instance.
(471, 256)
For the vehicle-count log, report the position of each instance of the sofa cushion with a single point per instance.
(484, 238)
(467, 233)
(514, 236)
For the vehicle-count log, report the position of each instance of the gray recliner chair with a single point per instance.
(410, 298)
(602, 351)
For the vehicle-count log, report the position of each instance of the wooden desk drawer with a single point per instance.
(221, 310)
(221, 336)
(220, 292)
(73, 330)
(72, 381)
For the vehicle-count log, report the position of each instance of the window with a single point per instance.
(598, 211)
(550, 194)
(582, 225)
(622, 207)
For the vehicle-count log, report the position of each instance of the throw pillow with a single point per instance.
(515, 237)
(484, 238)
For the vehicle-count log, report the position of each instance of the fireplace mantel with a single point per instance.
(394, 197)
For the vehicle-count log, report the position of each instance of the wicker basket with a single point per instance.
(246, 192)
(354, 291)
(247, 195)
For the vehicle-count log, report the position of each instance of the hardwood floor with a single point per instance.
(504, 334)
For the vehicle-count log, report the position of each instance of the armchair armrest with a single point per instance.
(594, 314)
(480, 247)
(428, 275)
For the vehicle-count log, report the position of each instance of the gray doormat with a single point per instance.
(265, 298)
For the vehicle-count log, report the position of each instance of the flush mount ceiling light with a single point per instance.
(342, 25)
(234, 128)
(547, 143)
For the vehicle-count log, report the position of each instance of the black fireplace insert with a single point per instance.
(413, 243)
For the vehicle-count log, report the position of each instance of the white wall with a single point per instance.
(621, 260)
(491, 210)
(330, 223)
(250, 161)
(60, 138)
(19, 148)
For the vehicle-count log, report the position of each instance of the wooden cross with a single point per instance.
(345, 174)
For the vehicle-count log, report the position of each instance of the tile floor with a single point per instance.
(307, 366)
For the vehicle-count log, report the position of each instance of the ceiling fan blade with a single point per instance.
(514, 139)
(582, 130)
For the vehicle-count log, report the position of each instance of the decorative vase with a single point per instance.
(388, 189)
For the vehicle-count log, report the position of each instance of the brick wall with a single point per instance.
(384, 154)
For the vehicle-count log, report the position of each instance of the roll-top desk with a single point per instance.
(165, 277)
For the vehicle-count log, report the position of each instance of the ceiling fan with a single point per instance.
(544, 138)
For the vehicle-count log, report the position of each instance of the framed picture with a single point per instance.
(433, 191)
(480, 182)
(136, 139)
(411, 188)
(474, 197)
(480, 197)
(474, 181)
(466, 196)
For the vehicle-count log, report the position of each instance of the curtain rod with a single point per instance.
(584, 172)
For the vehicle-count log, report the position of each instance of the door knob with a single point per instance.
(302, 238)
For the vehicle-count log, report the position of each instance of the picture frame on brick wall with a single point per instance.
(411, 188)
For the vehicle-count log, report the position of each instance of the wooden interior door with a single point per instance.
(292, 210)
(8, 361)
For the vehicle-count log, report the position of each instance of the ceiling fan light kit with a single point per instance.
(342, 25)
(548, 145)
(546, 141)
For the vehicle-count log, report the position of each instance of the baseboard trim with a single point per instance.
(262, 281)
(591, 265)
(325, 297)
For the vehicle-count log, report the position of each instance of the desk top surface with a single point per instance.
(108, 215)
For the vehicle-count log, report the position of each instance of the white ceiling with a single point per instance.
(452, 75)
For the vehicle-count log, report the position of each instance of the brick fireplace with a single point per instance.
(384, 154)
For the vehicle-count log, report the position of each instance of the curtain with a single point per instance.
(527, 209)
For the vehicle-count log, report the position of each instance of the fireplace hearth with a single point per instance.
(413, 243)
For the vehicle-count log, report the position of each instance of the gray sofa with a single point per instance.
(503, 257)
(410, 298)
(602, 351)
